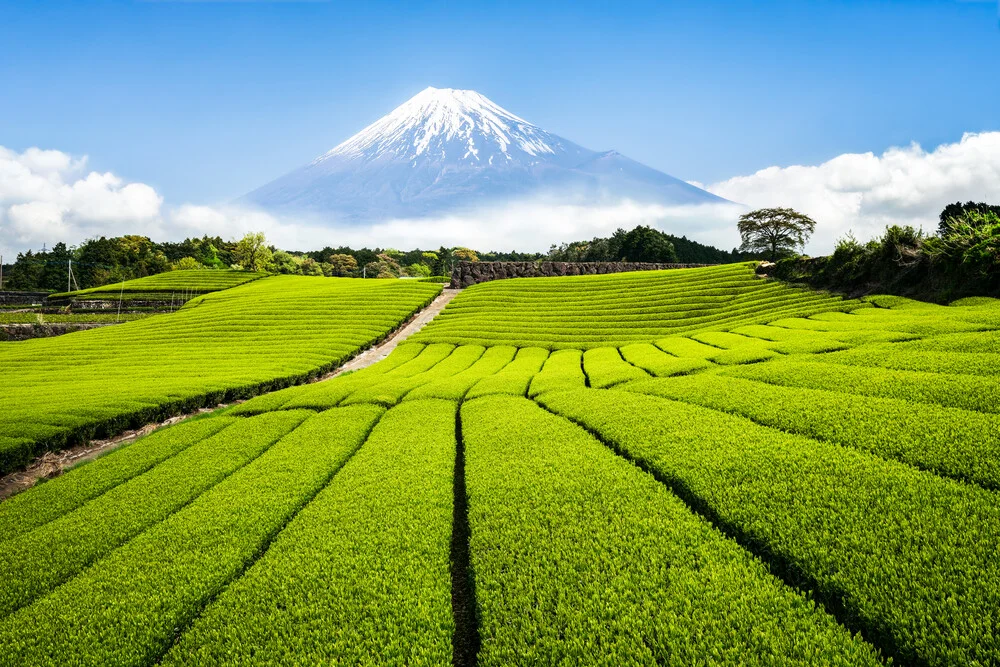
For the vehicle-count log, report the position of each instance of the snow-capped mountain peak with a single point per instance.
(436, 121)
(446, 149)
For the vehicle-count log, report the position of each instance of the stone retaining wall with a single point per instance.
(22, 298)
(472, 273)
(10, 332)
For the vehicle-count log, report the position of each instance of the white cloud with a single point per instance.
(865, 192)
(48, 196)
(524, 225)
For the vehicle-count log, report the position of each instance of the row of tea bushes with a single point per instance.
(905, 556)
(229, 345)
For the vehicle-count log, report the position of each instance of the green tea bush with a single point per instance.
(952, 442)
(228, 345)
(127, 608)
(26, 511)
(36, 562)
(362, 574)
(581, 558)
(905, 556)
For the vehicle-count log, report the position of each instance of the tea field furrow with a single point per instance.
(361, 575)
(127, 608)
(581, 558)
(907, 556)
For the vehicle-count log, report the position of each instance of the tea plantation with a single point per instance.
(164, 284)
(229, 344)
(682, 467)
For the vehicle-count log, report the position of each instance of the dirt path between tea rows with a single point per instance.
(53, 464)
(381, 351)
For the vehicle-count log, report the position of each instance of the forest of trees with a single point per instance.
(644, 244)
(101, 261)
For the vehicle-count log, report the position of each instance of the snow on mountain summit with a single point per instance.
(446, 148)
(436, 118)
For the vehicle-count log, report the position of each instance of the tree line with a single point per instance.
(961, 259)
(645, 244)
(101, 261)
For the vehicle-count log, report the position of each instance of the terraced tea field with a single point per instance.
(682, 467)
(164, 284)
(226, 345)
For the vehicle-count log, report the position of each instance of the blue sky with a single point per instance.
(207, 100)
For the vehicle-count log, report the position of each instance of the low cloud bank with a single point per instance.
(864, 192)
(48, 196)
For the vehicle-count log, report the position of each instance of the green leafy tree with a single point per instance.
(642, 244)
(26, 273)
(284, 262)
(956, 213)
(252, 252)
(418, 270)
(310, 267)
(971, 246)
(777, 232)
(383, 267)
(342, 264)
(464, 255)
(187, 264)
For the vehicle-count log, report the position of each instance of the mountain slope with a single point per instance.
(446, 149)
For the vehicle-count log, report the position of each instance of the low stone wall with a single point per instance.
(11, 332)
(472, 273)
(22, 298)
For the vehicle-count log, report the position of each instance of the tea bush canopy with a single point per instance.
(222, 346)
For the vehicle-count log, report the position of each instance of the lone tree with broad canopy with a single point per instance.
(775, 231)
(252, 252)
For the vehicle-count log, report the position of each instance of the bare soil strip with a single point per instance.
(53, 464)
(380, 352)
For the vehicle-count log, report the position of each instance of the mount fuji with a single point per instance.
(445, 150)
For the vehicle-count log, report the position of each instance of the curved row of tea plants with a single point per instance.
(907, 557)
(200, 282)
(581, 558)
(226, 345)
(594, 311)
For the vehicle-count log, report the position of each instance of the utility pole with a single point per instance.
(1, 271)
(69, 274)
